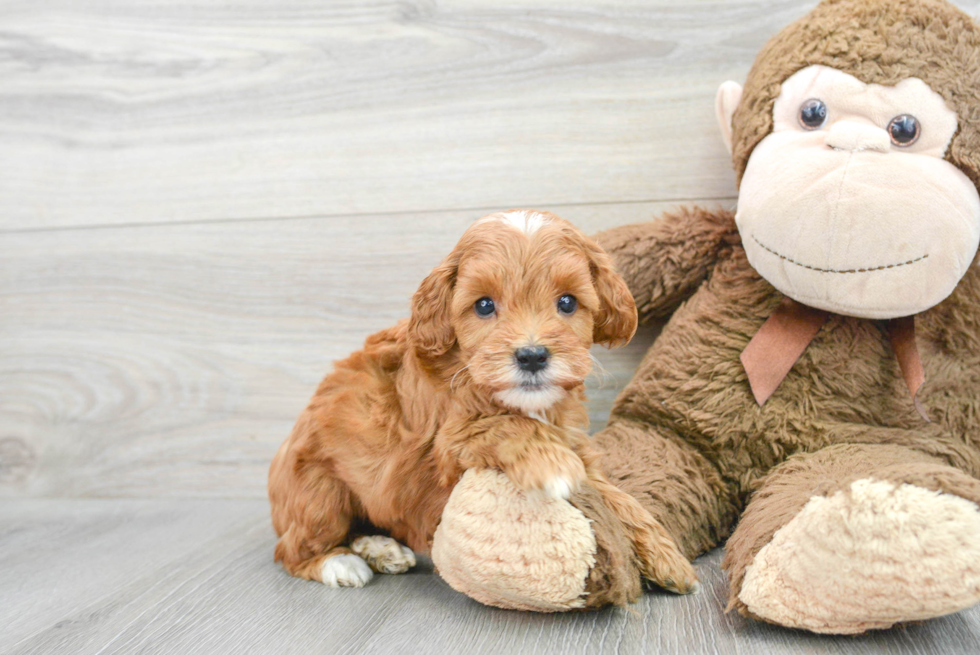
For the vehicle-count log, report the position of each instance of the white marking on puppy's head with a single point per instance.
(524, 220)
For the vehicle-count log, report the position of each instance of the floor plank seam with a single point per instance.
(477, 211)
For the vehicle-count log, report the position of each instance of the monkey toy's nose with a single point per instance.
(851, 136)
(532, 358)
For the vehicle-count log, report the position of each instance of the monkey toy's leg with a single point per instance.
(856, 537)
(681, 488)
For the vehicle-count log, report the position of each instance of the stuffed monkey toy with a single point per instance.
(815, 395)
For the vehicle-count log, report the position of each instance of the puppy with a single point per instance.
(487, 372)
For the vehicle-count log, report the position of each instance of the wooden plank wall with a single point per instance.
(202, 206)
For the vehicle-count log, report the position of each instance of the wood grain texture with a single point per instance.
(119, 112)
(197, 577)
(172, 360)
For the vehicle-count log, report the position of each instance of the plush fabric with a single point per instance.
(687, 439)
(874, 554)
(880, 42)
(514, 550)
(816, 209)
(846, 509)
(856, 536)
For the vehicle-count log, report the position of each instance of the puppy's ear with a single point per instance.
(430, 329)
(616, 321)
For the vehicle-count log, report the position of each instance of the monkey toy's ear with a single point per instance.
(726, 102)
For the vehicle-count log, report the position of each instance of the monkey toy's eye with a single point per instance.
(567, 304)
(904, 130)
(484, 307)
(813, 114)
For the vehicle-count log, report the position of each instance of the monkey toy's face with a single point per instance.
(848, 205)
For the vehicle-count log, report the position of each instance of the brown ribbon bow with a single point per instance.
(786, 334)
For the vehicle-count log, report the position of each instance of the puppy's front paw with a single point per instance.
(345, 571)
(554, 470)
(384, 554)
(558, 487)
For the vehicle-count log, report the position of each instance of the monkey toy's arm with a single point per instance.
(664, 261)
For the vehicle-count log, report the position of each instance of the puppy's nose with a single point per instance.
(532, 358)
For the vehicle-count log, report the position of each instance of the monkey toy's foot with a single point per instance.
(869, 556)
(530, 551)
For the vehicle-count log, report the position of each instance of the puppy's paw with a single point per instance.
(558, 487)
(384, 554)
(345, 571)
(552, 469)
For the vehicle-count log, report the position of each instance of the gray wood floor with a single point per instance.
(202, 204)
(194, 576)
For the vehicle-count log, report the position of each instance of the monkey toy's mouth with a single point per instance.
(842, 270)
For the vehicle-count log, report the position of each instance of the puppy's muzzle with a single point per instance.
(532, 358)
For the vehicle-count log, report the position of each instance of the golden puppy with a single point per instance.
(487, 372)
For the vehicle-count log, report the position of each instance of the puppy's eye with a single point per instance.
(904, 130)
(484, 307)
(567, 304)
(813, 114)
